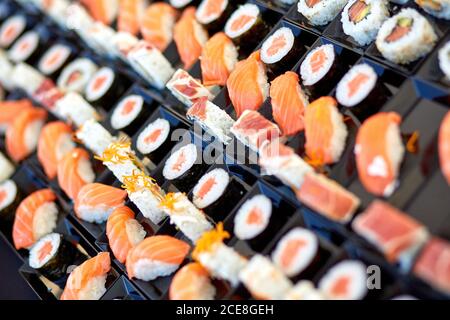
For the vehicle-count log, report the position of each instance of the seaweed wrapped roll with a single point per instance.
(320, 12)
(11, 30)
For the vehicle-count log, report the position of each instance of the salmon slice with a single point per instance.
(157, 24)
(23, 134)
(444, 147)
(74, 171)
(190, 37)
(288, 103)
(10, 109)
(104, 11)
(247, 84)
(356, 83)
(358, 11)
(55, 141)
(402, 28)
(219, 57)
(312, 3)
(129, 16)
(82, 276)
(24, 232)
(192, 282)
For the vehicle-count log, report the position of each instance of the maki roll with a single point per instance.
(153, 141)
(361, 19)
(253, 217)
(444, 60)
(10, 198)
(11, 30)
(6, 168)
(406, 37)
(76, 75)
(52, 256)
(26, 49)
(94, 136)
(157, 24)
(54, 60)
(437, 8)
(192, 282)
(320, 12)
(213, 14)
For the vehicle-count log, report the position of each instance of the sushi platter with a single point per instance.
(237, 150)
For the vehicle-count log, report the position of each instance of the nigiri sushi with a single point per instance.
(88, 280)
(55, 141)
(95, 202)
(192, 282)
(129, 15)
(35, 217)
(190, 37)
(156, 256)
(288, 103)
(444, 147)
(104, 11)
(23, 134)
(74, 171)
(123, 232)
(9, 111)
(379, 153)
(247, 85)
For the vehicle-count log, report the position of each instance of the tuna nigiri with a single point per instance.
(104, 11)
(88, 280)
(75, 171)
(123, 232)
(192, 282)
(35, 217)
(444, 147)
(288, 103)
(129, 16)
(248, 86)
(190, 37)
(55, 141)
(23, 134)
(156, 256)
(95, 202)
(9, 111)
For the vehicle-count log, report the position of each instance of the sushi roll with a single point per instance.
(192, 282)
(129, 16)
(6, 69)
(346, 280)
(251, 93)
(94, 137)
(104, 11)
(253, 217)
(437, 8)
(379, 153)
(6, 168)
(88, 280)
(189, 37)
(296, 251)
(444, 60)
(95, 202)
(288, 103)
(11, 29)
(325, 131)
(9, 110)
(55, 59)
(73, 108)
(25, 77)
(187, 89)
(76, 75)
(361, 19)
(304, 290)
(218, 59)
(213, 14)
(27, 48)
(35, 217)
(124, 232)
(444, 147)
(98, 38)
(153, 140)
(320, 12)
(52, 256)
(156, 256)
(406, 37)
(182, 4)
(10, 198)
(74, 171)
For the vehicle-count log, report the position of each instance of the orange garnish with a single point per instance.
(413, 143)
(117, 152)
(209, 239)
(139, 181)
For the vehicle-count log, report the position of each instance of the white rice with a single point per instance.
(248, 9)
(95, 214)
(202, 16)
(29, 41)
(444, 8)
(32, 133)
(123, 42)
(342, 91)
(119, 118)
(304, 290)
(444, 59)
(94, 136)
(396, 153)
(190, 153)
(146, 147)
(94, 94)
(44, 221)
(340, 134)
(147, 270)
(183, 79)
(135, 232)
(27, 78)
(99, 38)
(9, 188)
(148, 205)
(86, 68)
(6, 69)
(74, 108)
(85, 170)
(179, 3)
(306, 69)
(16, 23)
(282, 33)
(6, 168)
(242, 228)
(54, 239)
(221, 180)
(61, 52)
(322, 12)
(94, 289)
(64, 145)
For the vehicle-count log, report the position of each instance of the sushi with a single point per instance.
(6, 168)
(320, 12)
(187, 89)
(9, 110)
(11, 29)
(94, 136)
(295, 251)
(437, 8)
(444, 147)
(325, 131)
(189, 37)
(25, 77)
(406, 37)
(346, 280)
(247, 85)
(23, 135)
(253, 217)
(76, 75)
(192, 282)
(379, 153)
(327, 197)
(361, 19)
(213, 14)
(73, 108)
(35, 217)
(104, 11)
(156, 256)
(54, 60)
(181, 4)
(288, 103)
(55, 141)
(98, 38)
(218, 59)
(6, 69)
(444, 60)
(10, 198)
(74, 171)
(95, 202)
(154, 137)
(124, 232)
(394, 233)
(129, 16)
(88, 280)
(304, 290)
(26, 48)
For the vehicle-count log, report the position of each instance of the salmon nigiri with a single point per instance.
(219, 57)
(325, 131)
(247, 85)
(104, 11)
(95, 202)
(288, 103)
(379, 153)
(444, 147)
(190, 37)
(88, 280)
(156, 256)
(35, 217)
(129, 16)
(55, 141)
(75, 171)
(157, 24)
(23, 134)
(9, 111)
(192, 282)
(123, 232)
